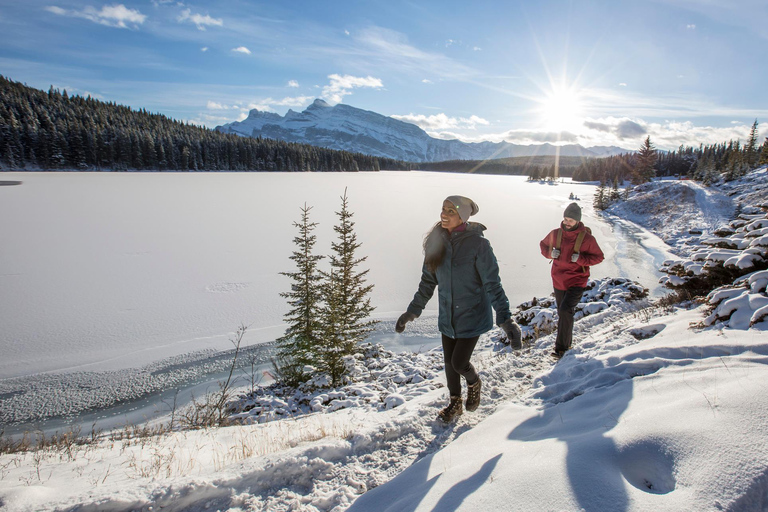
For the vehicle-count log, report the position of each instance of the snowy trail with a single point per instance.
(715, 206)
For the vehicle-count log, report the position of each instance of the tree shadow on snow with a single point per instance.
(593, 462)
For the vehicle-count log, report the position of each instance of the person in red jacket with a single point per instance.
(572, 249)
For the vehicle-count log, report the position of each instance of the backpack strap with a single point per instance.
(579, 240)
(577, 245)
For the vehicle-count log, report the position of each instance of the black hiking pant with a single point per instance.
(457, 352)
(566, 301)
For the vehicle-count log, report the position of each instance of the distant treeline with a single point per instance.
(707, 163)
(52, 130)
(541, 166)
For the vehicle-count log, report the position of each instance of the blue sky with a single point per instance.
(590, 72)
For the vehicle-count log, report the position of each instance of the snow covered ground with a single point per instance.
(645, 413)
(117, 286)
(674, 209)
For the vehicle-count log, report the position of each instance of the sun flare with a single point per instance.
(561, 109)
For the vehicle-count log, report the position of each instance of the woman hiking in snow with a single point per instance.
(459, 260)
(572, 249)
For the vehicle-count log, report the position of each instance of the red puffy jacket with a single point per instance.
(564, 273)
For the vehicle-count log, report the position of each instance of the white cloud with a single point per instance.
(427, 81)
(199, 20)
(441, 122)
(630, 133)
(622, 84)
(204, 119)
(56, 10)
(625, 132)
(293, 83)
(540, 137)
(212, 105)
(263, 107)
(242, 49)
(691, 27)
(269, 104)
(296, 101)
(204, 49)
(341, 86)
(118, 15)
(621, 128)
(477, 49)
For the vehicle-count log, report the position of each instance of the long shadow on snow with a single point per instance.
(452, 499)
(591, 459)
(410, 493)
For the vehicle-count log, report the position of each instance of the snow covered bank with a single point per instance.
(681, 212)
(672, 209)
(733, 260)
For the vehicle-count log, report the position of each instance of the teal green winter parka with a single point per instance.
(468, 285)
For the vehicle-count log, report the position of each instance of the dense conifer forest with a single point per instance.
(706, 163)
(541, 166)
(51, 131)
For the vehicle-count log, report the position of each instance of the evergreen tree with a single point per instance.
(644, 170)
(346, 315)
(751, 147)
(615, 194)
(600, 202)
(54, 130)
(297, 347)
(764, 153)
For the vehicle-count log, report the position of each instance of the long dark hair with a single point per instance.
(434, 249)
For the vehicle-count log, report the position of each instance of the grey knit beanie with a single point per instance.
(464, 205)
(573, 211)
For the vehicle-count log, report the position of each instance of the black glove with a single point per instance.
(404, 319)
(514, 333)
(574, 257)
(555, 253)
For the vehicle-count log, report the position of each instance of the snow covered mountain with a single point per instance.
(362, 131)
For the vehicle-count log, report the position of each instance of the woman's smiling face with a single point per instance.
(449, 217)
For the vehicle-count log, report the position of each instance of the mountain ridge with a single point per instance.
(349, 128)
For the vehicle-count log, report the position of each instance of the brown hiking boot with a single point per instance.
(473, 395)
(453, 410)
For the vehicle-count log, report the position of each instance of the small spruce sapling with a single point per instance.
(297, 348)
(346, 313)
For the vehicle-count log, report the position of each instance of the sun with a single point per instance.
(561, 109)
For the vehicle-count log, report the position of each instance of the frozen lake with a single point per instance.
(104, 271)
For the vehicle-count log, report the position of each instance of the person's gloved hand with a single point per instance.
(574, 257)
(404, 319)
(514, 333)
(555, 253)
